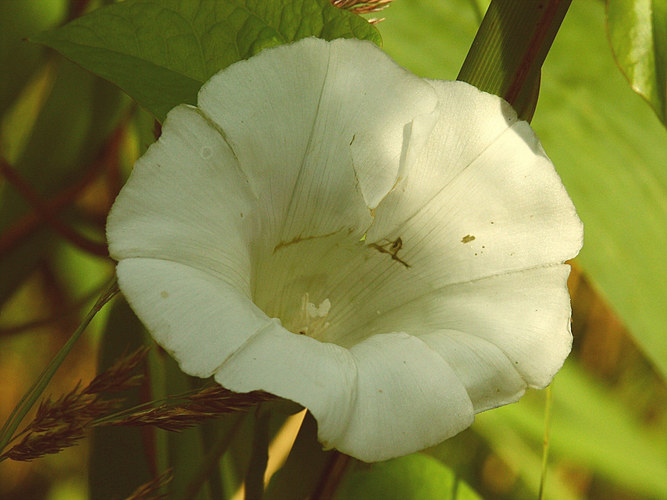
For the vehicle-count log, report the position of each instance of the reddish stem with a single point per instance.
(44, 212)
(534, 47)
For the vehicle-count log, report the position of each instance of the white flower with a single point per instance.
(385, 250)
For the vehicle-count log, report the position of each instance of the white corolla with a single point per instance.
(387, 251)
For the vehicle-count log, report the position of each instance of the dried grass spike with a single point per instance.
(210, 402)
(150, 490)
(169, 418)
(119, 376)
(217, 399)
(71, 409)
(35, 444)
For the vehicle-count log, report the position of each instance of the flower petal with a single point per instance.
(186, 201)
(388, 396)
(484, 212)
(525, 314)
(464, 124)
(319, 165)
(198, 318)
(484, 370)
(479, 200)
(408, 398)
(317, 375)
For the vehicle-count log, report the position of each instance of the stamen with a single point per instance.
(312, 317)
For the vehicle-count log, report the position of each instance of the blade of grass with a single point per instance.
(31, 396)
(545, 443)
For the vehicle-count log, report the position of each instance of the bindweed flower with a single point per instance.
(385, 250)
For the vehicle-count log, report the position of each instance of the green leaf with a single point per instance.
(414, 477)
(609, 149)
(160, 53)
(590, 427)
(18, 58)
(638, 36)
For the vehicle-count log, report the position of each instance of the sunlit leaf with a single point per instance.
(160, 53)
(609, 148)
(414, 477)
(638, 36)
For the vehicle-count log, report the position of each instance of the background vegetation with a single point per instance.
(68, 140)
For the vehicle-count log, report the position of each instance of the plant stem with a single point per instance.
(510, 46)
(254, 480)
(212, 458)
(30, 397)
(545, 443)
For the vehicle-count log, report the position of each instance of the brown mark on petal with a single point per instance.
(299, 239)
(164, 294)
(391, 248)
(467, 238)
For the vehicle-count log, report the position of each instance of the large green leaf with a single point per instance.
(161, 52)
(638, 37)
(589, 427)
(606, 144)
(610, 150)
(414, 477)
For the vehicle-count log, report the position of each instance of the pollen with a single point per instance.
(312, 317)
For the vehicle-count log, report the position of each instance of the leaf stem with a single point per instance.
(31, 396)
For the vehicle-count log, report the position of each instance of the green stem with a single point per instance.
(212, 458)
(545, 443)
(510, 46)
(254, 480)
(30, 397)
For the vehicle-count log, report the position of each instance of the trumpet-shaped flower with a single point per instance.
(385, 250)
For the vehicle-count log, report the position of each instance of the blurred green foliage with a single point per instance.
(608, 146)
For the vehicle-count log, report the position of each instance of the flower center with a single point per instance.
(312, 319)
